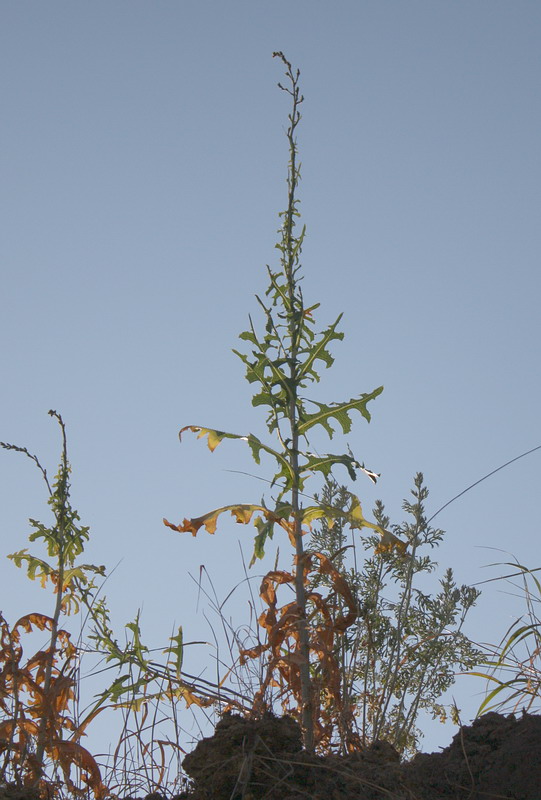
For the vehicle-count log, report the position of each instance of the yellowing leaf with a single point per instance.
(313, 513)
(191, 698)
(214, 436)
(341, 586)
(68, 753)
(389, 542)
(354, 516)
(23, 726)
(40, 621)
(242, 513)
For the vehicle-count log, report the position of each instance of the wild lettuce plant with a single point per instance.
(283, 361)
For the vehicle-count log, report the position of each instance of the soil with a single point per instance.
(495, 758)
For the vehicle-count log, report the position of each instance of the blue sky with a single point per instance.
(143, 164)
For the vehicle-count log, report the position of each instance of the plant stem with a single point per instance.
(62, 492)
(295, 309)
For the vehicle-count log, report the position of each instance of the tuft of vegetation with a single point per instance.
(41, 720)
(515, 663)
(39, 729)
(405, 647)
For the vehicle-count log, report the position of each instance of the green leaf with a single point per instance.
(265, 530)
(340, 412)
(319, 351)
(325, 463)
(138, 648)
(177, 651)
(484, 707)
(79, 573)
(286, 470)
(215, 437)
(36, 567)
(248, 336)
(353, 516)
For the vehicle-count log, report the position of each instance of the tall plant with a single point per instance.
(283, 363)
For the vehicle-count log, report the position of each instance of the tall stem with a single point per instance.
(60, 531)
(290, 255)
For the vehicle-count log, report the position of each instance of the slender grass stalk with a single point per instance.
(515, 663)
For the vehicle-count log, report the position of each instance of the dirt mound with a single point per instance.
(496, 758)
(493, 758)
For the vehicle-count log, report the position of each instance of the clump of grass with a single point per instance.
(514, 665)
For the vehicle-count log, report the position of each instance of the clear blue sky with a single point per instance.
(143, 164)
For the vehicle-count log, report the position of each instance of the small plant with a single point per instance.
(37, 696)
(403, 650)
(515, 664)
(41, 725)
(283, 364)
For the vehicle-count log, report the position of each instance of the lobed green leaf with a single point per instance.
(340, 412)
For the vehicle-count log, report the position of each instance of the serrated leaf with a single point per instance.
(265, 530)
(340, 412)
(285, 471)
(354, 516)
(80, 573)
(257, 369)
(242, 514)
(214, 436)
(248, 336)
(318, 351)
(138, 647)
(40, 621)
(312, 514)
(35, 567)
(208, 521)
(176, 650)
(325, 463)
